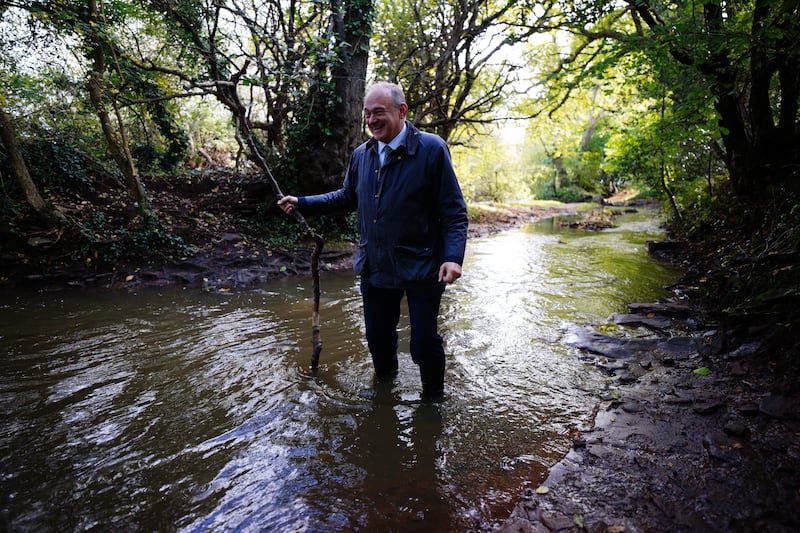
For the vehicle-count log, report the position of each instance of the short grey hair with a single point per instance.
(394, 90)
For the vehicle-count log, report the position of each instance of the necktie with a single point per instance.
(385, 154)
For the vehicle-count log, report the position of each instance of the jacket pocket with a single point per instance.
(360, 261)
(415, 263)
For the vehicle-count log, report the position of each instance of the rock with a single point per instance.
(517, 525)
(736, 428)
(777, 406)
(626, 378)
(673, 309)
(633, 407)
(737, 370)
(598, 527)
(587, 338)
(745, 350)
(707, 407)
(680, 347)
(749, 409)
(232, 238)
(41, 241)
(556, 521)
(655, 247)
(720, 446)
(659, 323)
(678, 399)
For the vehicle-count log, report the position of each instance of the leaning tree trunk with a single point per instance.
(8, 135)
(116, 141)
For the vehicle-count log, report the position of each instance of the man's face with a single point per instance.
(384, 119)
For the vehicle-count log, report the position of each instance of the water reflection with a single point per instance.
(179, 410)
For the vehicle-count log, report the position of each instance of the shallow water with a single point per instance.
(178, 410)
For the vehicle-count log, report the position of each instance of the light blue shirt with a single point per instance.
(393, 144)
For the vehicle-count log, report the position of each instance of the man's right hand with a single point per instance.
(288, 204)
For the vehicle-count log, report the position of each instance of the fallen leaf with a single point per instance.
(702, 371)
(542, 490)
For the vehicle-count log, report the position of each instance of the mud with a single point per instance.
(696, 431)
(229, 255)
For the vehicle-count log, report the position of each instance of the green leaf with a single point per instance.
(702, 371)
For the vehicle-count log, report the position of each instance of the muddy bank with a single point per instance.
(229, 255)
(697, 430)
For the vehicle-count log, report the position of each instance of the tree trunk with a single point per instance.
(326, 153)
(8, 135)
(117, 142)
(752, 87)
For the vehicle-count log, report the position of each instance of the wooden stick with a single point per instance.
(228, 95)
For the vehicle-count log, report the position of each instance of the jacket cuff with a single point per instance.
(453, 259)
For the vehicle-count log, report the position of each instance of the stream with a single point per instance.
(174, 409)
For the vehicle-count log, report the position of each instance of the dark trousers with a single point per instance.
(381, 316)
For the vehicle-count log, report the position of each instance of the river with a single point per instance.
(179, 410)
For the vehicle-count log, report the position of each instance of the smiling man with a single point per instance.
(412, 222)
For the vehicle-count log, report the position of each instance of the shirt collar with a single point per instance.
(397, 141)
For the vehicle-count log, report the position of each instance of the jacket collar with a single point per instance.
(410, 143)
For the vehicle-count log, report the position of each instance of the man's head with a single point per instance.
(385, 110)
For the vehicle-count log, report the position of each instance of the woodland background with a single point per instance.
(694, 103)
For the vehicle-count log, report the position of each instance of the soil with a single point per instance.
(694, 433)
(697, 430)
(223, 218)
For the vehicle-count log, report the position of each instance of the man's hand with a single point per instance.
(288, 204)
(449, 272)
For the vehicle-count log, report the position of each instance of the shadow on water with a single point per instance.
(179, 410)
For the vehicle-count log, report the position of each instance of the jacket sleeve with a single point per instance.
(342, 200)
(453, 218)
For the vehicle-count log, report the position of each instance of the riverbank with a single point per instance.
(219, 232)
(697, 429)
(688, 436)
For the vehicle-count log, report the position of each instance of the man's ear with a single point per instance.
(403, 110)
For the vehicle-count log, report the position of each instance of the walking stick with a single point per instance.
(226, 93)
(319, 242)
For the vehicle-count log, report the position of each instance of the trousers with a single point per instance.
(381, 317)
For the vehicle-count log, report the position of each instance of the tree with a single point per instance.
(743, 56)
(450, 58)
(8, 136)
(325, 139)
(308, 61)
(116, 138)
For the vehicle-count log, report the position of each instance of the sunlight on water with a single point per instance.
(181, 410)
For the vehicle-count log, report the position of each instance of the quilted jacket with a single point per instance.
(411, 213)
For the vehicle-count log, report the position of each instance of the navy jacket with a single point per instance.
(411, 213)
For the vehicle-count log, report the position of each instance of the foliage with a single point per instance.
(58, 165)
(679, 98)
(146, 241)
(491, 168)
(450, 58)
(711, 54)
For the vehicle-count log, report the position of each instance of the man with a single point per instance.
(413, 230)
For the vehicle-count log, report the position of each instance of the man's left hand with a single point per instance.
(449, 272)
